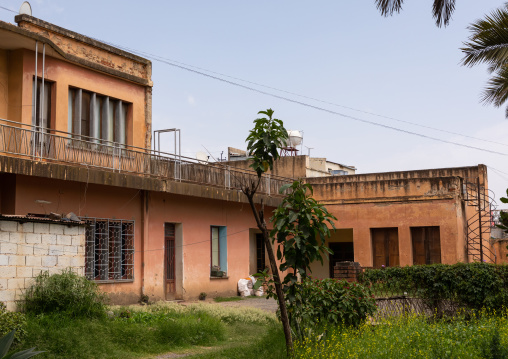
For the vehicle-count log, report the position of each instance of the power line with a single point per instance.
(1, 7)
(159, 59)
(176, 63)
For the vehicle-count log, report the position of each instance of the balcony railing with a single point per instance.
(66, 148)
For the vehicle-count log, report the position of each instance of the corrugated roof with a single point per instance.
(40, 218)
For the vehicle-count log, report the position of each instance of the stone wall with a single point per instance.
(28, 248)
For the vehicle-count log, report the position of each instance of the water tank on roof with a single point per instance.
(295, 138)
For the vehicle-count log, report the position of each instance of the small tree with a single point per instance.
(300, 230)
(264, 140)
(300, 222)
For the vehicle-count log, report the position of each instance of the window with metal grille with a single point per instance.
(109, 249)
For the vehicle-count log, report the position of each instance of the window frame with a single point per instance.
(221, 251)
(126, 255)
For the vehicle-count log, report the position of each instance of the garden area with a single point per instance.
(66, 316)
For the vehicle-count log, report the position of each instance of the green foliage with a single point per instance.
(12, 321)
(226, 299)
(5, 344)
(488, 44)
(300, 230)
(264, 140)
(66, 293)
(412, 336)
(202, 296)
(473, 285)
(330, 302)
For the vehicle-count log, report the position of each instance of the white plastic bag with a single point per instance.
(243, 287)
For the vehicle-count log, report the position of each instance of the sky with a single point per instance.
(329, 60)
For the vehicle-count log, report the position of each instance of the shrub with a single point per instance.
(330, 301)
(473, 285)
(10, 321)
(66, 293)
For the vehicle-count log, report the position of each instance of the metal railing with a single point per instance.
(66, 148)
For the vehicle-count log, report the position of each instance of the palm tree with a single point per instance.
(488, 44)
(442, 10)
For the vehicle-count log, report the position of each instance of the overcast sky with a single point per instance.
(336, 52)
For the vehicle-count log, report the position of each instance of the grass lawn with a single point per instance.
(198, 330)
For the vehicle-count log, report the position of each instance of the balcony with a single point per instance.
(31, 143)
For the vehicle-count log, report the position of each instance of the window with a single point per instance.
(97, 116)
(385, 246)
(260, 253)
(43, 104)
(218, 251)
(426, 245)
(109, 249)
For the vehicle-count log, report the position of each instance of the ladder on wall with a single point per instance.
(479, 224)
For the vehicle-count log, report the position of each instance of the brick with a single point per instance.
(33, 238)
(4, 237)
(49, 238)
(25, 249)
(63, 239)
(49, 261)
(72, 230)
(16, 283)
(77, 262)
(4, 260)
(28, 282)
(81, 230)
(64, 261)
(24, 272)
(16, 260)
(56, 229)
(54, 270)
(78, 240)
(56, 250)
(8, 226)
(8, 248)
(3, 284)
(11, 305)
(7, 272)
(33, 261)
(41, 228)
(41, 250)
(26, 227)
(7, 295)
(16, 237)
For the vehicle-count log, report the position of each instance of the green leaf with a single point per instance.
(5, 343)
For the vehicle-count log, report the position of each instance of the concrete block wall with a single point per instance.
(28, 248)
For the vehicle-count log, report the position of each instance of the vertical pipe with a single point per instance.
(174, 156)
(42, 97)
(479, 219)
(180, 154)
(34, 119)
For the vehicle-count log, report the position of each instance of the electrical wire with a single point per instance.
(187, 67)
(4, 8)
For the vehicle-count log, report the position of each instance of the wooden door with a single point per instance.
(260, 253)
(385, 247)
(169, 261)
(426, 245)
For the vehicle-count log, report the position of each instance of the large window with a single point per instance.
(426, 245)
(109, 249)
(42, 104)
(219, 251)
(97, 116)
(385, 245)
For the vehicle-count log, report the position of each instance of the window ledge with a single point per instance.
(227, 277)
(113, 281)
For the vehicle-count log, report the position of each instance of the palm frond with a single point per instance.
(442, 11)
(388, 7)
(488, 42)
(496, 92)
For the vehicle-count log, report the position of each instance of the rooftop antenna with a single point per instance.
(25, 9)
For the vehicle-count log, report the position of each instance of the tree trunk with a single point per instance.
(275, 271)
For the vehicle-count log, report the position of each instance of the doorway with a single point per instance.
(169, 261)
(342, 252)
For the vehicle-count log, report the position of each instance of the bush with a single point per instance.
(472, 285)
(10, 321)
(330, 301)
(66, 293)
